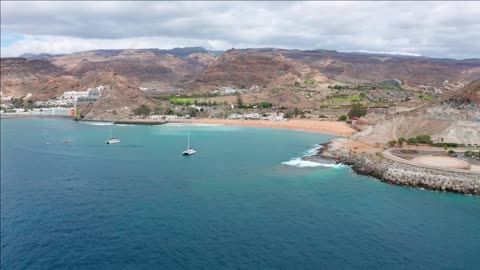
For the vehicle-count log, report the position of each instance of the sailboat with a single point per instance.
(112, 140)
(190, 151)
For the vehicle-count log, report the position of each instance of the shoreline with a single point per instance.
(372, 161)
(326, 127)
(409, 175)
(17, 116)
(141, 122)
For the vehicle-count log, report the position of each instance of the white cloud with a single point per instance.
(60, 45)
(439, 29)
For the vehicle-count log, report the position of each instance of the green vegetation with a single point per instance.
(142, 110)
(190, 101)
(425, 97)
(296, 111)
(185, 99)
(261, 105)
(338, 87)
(357, 110)
(346, 99)
(264, 104)
(310, 82)
(342, 118)
(425, 139)
(192, 112)
(239, 100)
(169, 111)
(472, 154)
(205, 103)
(384, 85)
(447, 144)
(181, 101)
(288, 114)
(17, 102)
(392, 143)
(451, 152)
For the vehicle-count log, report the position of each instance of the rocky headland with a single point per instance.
(414, 176)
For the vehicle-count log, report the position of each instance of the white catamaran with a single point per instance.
(112, 140)
(190, 151)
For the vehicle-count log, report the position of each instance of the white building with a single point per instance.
(72, 95)
(163, 117)
(235, 116)
(252, 116)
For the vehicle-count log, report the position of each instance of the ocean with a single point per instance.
(245, 201)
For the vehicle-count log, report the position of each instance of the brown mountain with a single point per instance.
(244, 68)
(265, 66)
(468, 94)
(152, 68)
(41, 77)
(121, 97)
(194, 69)
(413, 71)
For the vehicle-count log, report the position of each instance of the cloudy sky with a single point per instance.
(437, 29)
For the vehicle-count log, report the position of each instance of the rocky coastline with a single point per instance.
(397, 173)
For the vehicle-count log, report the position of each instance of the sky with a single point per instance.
(435, 29)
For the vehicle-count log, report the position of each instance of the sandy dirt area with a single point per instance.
(329, 127)
(444, 162)
(475, 168)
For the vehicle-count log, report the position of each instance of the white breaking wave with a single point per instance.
(301, 163)
(96, 123)
(312, 151)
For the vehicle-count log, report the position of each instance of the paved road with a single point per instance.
(389, 155)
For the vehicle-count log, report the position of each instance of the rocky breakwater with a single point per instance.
(410, 175)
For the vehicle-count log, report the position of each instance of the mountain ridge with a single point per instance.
(197, 69)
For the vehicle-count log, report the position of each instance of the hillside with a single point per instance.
(413, 71)
(197, 69)
(244, 68)
(41, 77)
(454, 118)
(121, 97)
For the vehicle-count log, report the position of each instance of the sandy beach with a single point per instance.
(329, 127)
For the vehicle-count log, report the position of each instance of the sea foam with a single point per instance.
(96, 123)
(300, 162)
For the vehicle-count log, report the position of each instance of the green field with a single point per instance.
(425, 97)
(182, 101)
(346, 99)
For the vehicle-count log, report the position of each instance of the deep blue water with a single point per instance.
(141, 205)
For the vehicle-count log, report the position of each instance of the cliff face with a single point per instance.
(455, 118)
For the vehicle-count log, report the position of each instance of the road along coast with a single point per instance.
(398, 173)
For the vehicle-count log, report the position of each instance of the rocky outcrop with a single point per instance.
(414, 176)
(120, 99)
(453, 118)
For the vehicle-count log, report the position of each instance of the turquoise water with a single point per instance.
(141, 205)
